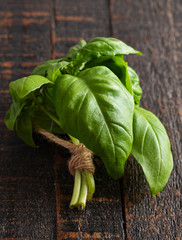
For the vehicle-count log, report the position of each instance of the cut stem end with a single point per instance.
(84, 187)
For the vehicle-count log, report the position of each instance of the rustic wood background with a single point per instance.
(35, 186)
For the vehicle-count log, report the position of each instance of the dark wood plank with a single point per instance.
(80, 20)
(33, 31)
(27, 193)
(102, 218)
(154, 27)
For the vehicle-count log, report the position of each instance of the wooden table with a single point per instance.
(35, 186)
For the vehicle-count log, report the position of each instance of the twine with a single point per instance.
(81, 157)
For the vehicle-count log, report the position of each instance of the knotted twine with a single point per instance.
(81, 157)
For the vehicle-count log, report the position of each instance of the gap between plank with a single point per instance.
(123, 206)
(110, 8)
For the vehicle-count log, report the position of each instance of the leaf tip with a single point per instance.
(139, 53)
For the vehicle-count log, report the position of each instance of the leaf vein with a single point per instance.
(121, 126)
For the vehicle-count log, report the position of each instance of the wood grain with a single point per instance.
(83, 20)
(155, 29)
(98, 220)
(35, 185)
(102, 218)
(27, 193)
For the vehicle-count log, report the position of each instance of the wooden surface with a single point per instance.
(35, 186)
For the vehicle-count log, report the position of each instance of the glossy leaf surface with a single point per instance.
(20, 88)
(117, 65)
(151, 149)
(24, 128)
(135, 81)
(96, 108)
(54, 70)
(101, 46)
(12, 114)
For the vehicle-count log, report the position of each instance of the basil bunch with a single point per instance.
(94, 96)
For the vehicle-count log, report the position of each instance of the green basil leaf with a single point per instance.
(24, 128)
(117, 65)
(54, 70)
(20, 88)
(42, 120)
(97, 109)
(12, 114)
(151, 148)
(101, 46)
(135, 81)
(48, 98)
(75, 48)
(42, 68)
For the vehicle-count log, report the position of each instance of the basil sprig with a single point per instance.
(94, 96)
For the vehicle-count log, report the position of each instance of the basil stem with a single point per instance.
(50, 115)
(83, 193)
(90, 183)
(76, 189)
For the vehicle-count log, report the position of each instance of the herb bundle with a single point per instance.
(93, 96)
